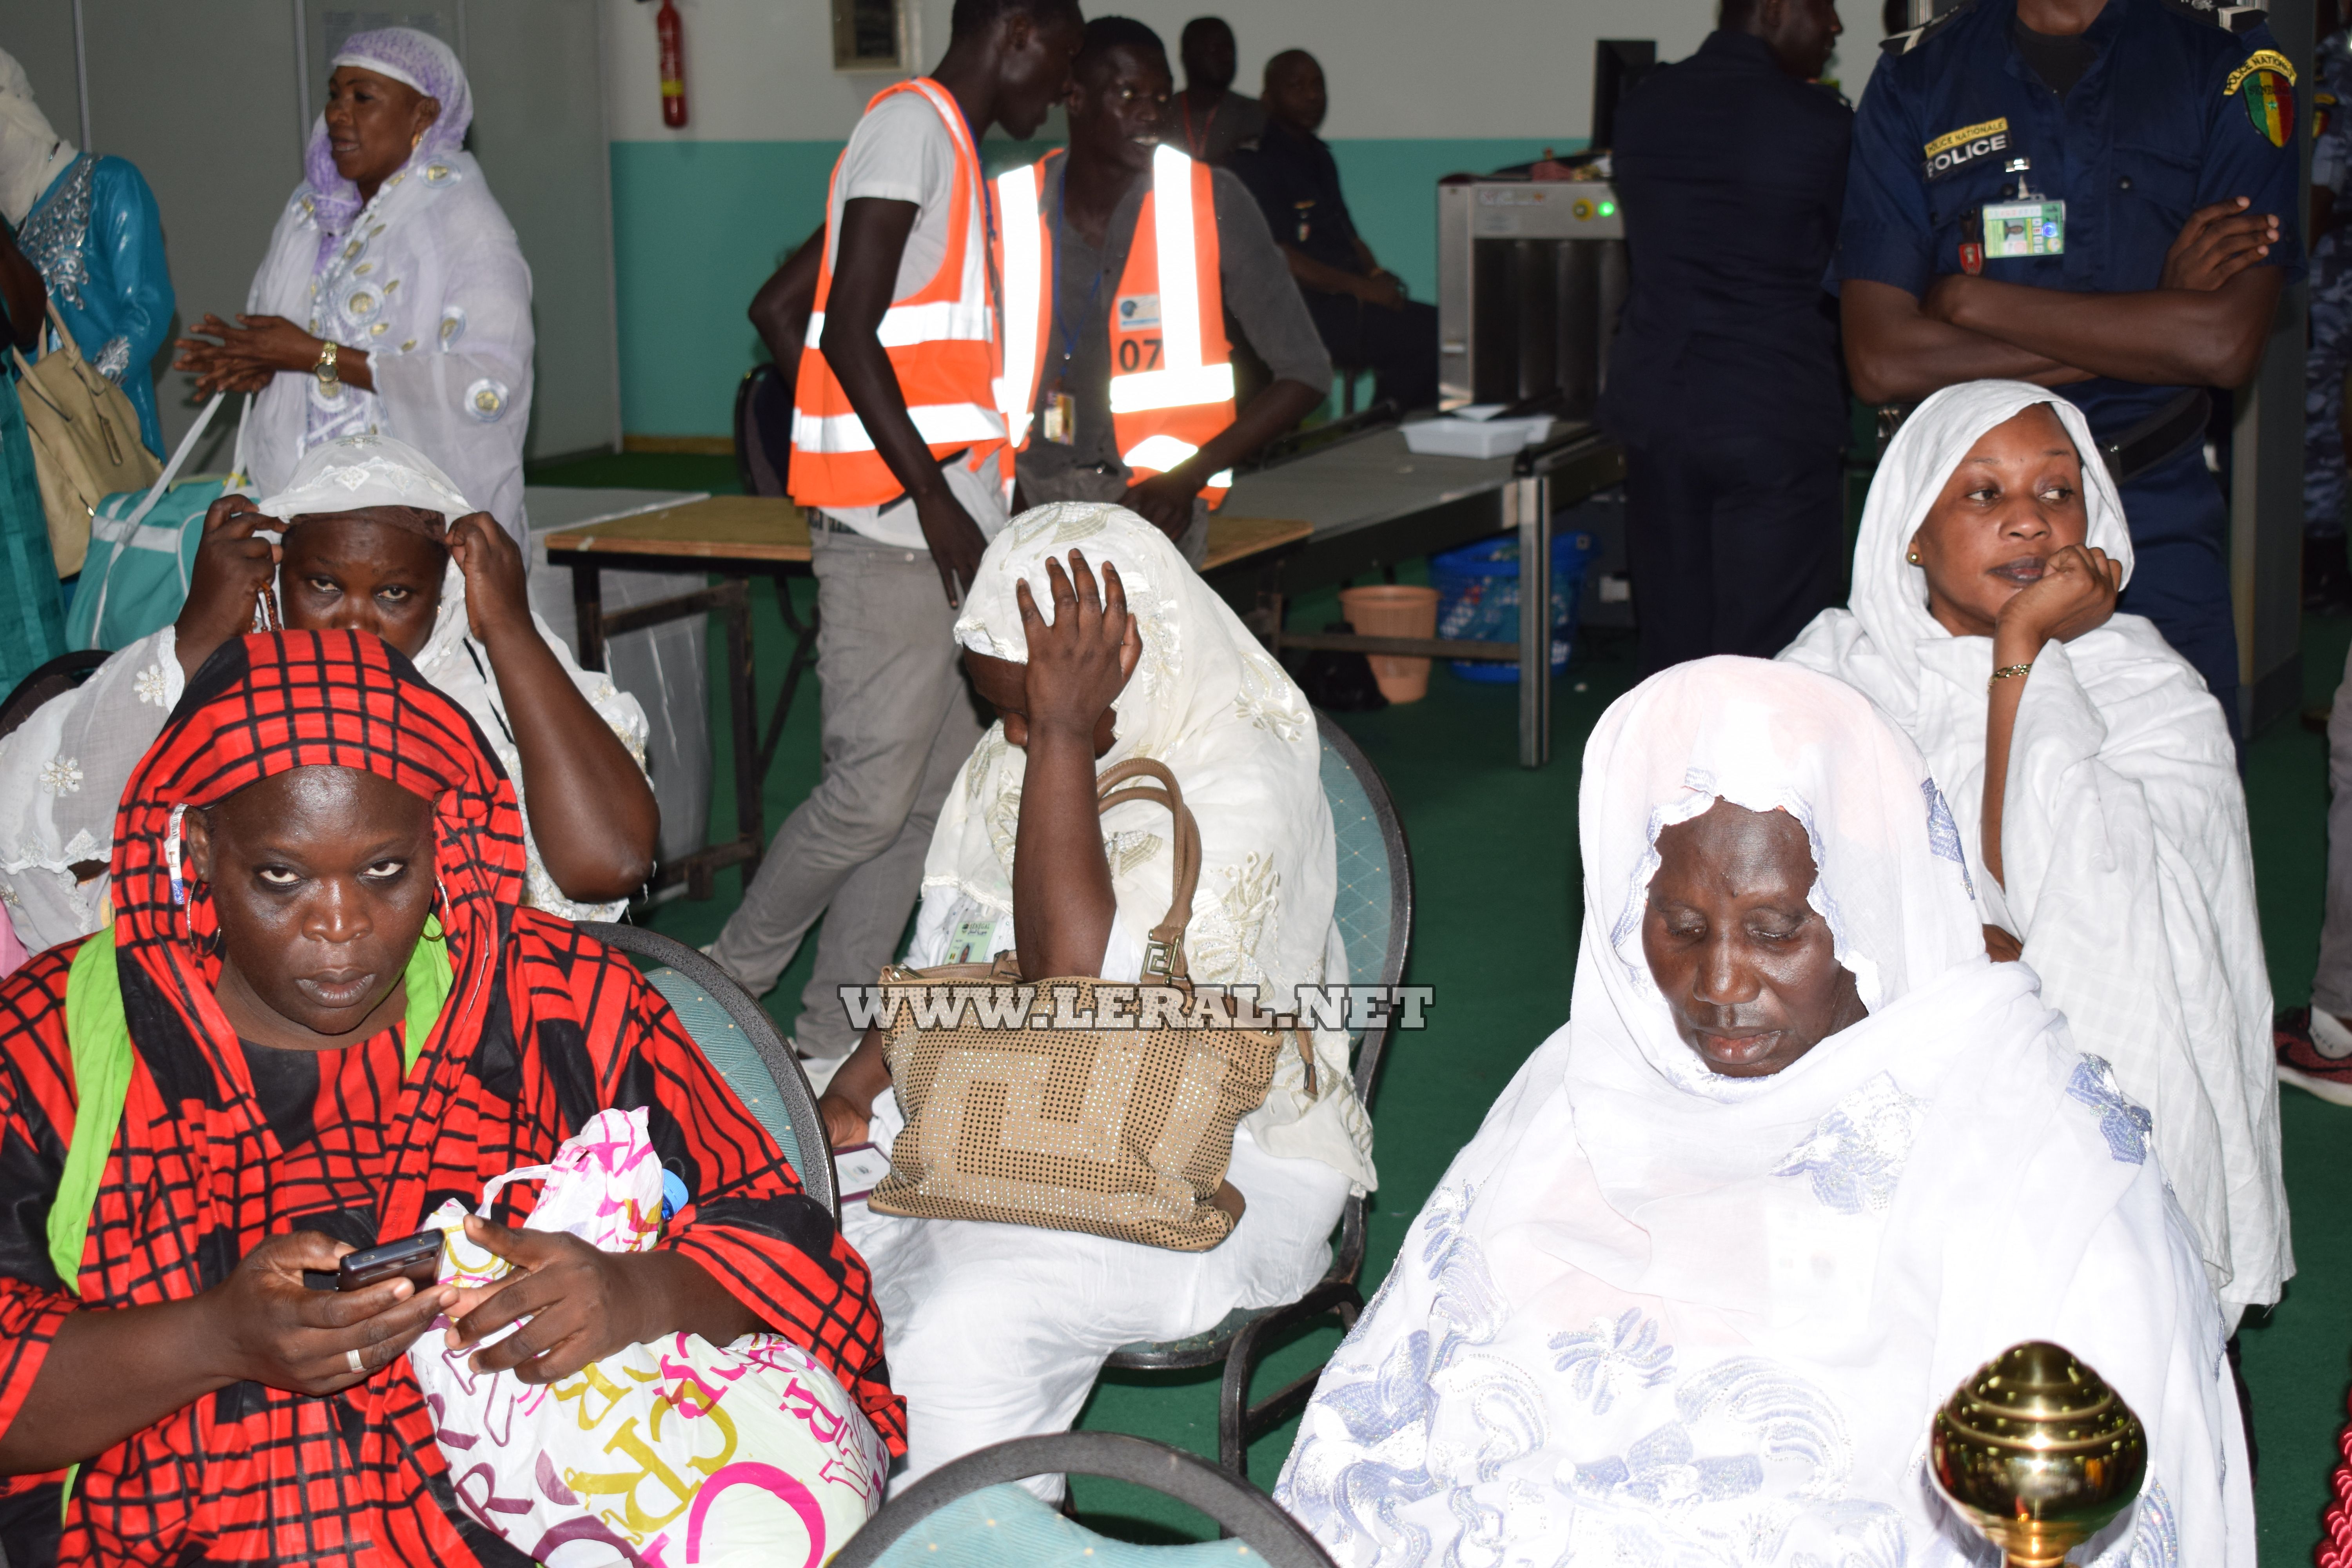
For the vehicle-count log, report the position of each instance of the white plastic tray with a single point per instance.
(1454, 437)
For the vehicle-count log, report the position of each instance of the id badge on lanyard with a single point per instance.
(2024, 226)
(2014, 230)
(1058, 420)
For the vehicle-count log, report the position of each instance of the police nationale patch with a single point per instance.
(2260, 60)
(1956, 148)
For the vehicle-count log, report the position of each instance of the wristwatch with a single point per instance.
(329, 382)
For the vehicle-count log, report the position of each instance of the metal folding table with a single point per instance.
(1370, 502)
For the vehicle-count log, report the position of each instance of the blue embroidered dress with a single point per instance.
(98, 237)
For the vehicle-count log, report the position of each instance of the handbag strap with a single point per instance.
(239, 476)
(180, 455)
(66, 344)
(1163, 953)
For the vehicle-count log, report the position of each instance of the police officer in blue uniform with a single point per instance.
(2100, 196)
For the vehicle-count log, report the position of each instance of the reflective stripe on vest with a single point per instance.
(1024, 260)
(942, 344)
(1171, 384)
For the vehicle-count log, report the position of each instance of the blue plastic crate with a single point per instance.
(1478, 598)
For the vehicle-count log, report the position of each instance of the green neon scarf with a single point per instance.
(98, 1036)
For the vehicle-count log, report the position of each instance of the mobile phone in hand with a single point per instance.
(414, 1257)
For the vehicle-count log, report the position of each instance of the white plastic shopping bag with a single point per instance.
(677, 1452)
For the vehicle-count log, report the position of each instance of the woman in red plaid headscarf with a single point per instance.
(321, 1011)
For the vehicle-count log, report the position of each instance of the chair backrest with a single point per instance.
(741, 1040)
(764, 432)
(58, 676)
(935, 1523)
(1374, 911)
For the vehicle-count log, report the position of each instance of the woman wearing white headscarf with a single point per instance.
(1801, 1160)
(393, 299)
(2116, 853)
(998, 1330)
(377, 539)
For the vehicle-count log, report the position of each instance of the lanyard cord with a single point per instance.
(1069, 338)
(1196, 146)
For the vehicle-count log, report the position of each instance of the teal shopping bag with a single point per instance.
(142, 548)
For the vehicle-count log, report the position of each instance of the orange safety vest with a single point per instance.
(942, 344)
(1172, 381)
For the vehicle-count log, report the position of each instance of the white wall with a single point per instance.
(761, 70)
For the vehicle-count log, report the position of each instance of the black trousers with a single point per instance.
(1734, 543)
(1399, 347)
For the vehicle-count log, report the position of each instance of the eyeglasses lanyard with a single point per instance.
(1069, 338)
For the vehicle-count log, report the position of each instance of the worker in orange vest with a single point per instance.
(900, 459)
(1139, 253)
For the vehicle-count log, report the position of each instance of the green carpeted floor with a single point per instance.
(1497, 906)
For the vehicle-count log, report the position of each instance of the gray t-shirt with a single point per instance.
(903, 152)
(1259, 296)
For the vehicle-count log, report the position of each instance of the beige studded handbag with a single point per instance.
(85, 436)
(1079, 1103)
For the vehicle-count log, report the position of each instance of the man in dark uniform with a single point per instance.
(1358, 306)
(1723, 381)
(2100, 196)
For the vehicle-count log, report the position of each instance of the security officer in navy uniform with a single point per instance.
(2099, 196)
(1723, 379)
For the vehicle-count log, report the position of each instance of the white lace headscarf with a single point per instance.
(1210, 703)
(1655, 1315)
(360, 471)
(63, 770)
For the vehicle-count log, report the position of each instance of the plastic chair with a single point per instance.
(1374, 913)
(738, 1038)
(967, 1514)
(58, 676)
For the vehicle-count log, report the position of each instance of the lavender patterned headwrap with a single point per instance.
(419, 61)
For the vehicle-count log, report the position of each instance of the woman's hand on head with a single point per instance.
(498, 578)
(233, 570)
(1081, 662)
(276, 1330)
(2076, 595)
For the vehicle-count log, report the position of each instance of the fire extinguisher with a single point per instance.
(671, 31)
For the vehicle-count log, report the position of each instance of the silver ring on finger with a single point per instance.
(357, 1365)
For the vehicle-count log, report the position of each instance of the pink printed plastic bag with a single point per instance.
(669, 1453)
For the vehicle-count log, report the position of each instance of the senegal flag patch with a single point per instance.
(2266, 83)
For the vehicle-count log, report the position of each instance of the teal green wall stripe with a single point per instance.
(699, 225)
(696, 228)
